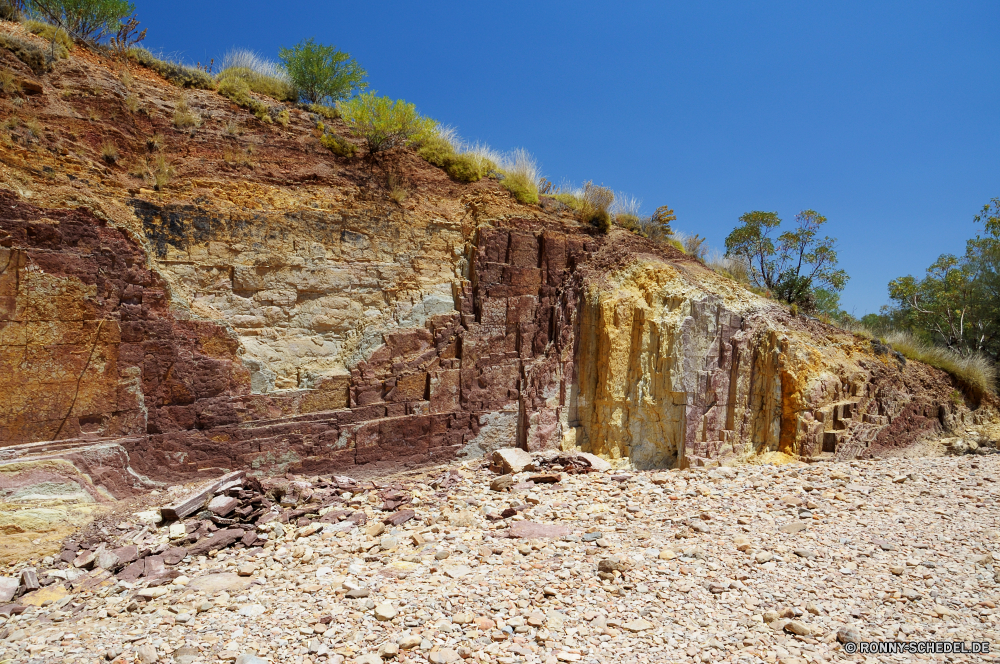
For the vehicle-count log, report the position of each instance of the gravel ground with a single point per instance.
(790, 563)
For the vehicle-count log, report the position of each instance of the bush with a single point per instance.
(9, 83)
(26, 52)
(10, 10)
(237, 90)
(520, 176)
(184, 117)
(89, 20)
(109, 152)
(974, 371)
(385, 123)
(338, 145)
(597, 202)
(262, 76)
(178, 74)
(328, 112)
(322, 73)
(470, 166)
(59, 39)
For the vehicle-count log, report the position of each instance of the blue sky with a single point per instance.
(883, 116)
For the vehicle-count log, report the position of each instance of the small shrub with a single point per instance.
(60, 43)
(178, 74)
(237, 90)
(34, 128)
(520, 176)
(572, 200)
(10, 10)
(89, 20)
(283, 117)
(338, 145)
(322, 73)
(385, 123)
(155, 142)
(9, 85)
(233, 128)
(162, 172)
(126, 78)
(328, 112)
(26, 52)
(271, 85)
(184, 117)
(975, 371)
(238, 158)
(461, 166)
(132, 103)
(109, 152)
(597, 202)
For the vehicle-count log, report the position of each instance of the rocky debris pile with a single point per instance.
(972, 443)
(748, 564)
(234, 511)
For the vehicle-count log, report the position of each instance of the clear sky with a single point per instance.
(883, 116)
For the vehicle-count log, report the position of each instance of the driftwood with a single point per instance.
(190, 503)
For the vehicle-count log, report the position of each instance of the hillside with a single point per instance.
(184, 296)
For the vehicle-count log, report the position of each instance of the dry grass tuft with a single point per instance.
(596, 210)
(109, 152)
(132, 103)
(520, 176)
(184, 117)
(975, 371)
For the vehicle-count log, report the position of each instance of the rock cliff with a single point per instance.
(271, 306)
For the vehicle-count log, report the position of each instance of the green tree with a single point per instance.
(795, 264)
(957, 302)
(385, 123)
(322, 74)
(87, 20)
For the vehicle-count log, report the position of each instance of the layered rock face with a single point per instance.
(678, 369)
(296, 317)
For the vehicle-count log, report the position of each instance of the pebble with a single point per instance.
(575, 577)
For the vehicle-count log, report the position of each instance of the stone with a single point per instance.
(222, 505)
(793, 527)
(796, 627)
(385, 611)
(596, 462)
(246, 569)
(388, 650)
(848, 634)
(741, 543)
(8, 587)
(511, 460)
(638, 625)
(457, 571)
(250, 658)
(147, 654)
(898, 570)
(502, 483)
(804, 553)
(223, 581)
(370, 658)
(443, 656)
(184, 655)
(531, 530)
(252, 610)
(409, 642)
(763, 557)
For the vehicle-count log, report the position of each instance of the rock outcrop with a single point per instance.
(283, 312)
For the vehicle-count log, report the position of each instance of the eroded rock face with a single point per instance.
(652, 361)
(290, 315)
(672, 373)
